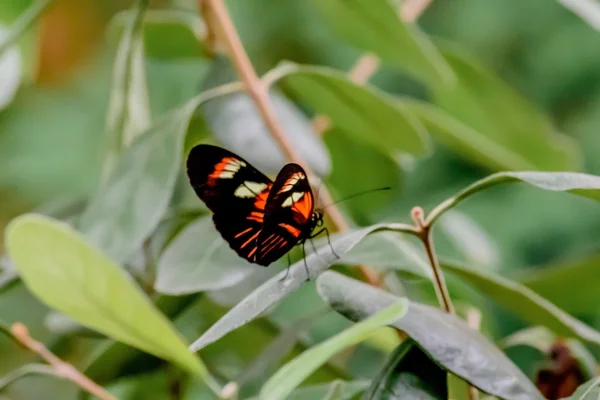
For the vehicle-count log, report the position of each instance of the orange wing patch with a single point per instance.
(225, 169)
(304, 206)
(291, 229)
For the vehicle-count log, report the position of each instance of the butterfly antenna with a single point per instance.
(358, 194)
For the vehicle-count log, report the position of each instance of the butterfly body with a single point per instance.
(260, 219)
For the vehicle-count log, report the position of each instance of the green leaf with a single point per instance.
(466, 140)
(130, 205)
(483, 102)
(10, 71)
(409, 374)
(128, 112)
(293, 373)
(26, 370)
(445, 338)
(167, 33)
(61, 269)
(24, 22)
(376, 27)
(525, 303)
(275, 289)
(550, 282)
(358, 167)
(572, 182)
(349, 390)
(197, 260)
(364, 112)
(247, 135)
(588, 391)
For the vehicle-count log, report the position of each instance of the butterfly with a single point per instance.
(261, 219)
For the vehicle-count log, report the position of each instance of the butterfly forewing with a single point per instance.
(288, 214)
(234, 191)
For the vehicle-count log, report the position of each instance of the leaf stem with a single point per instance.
(259, 93)
(23, 23)
(424, 233)
(25, 370)
(60, 367)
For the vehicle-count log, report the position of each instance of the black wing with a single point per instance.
(288, 214)
(234, 191)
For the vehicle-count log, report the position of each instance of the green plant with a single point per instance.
(138, 277)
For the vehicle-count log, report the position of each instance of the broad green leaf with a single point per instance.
(483, 102)
(542, 339)
(276, 288)
(10, 71)
(247, 135)
(358, 167)
(128, 112)
(167, 33)
(588, 391)
(61, 269)
(197, 260)
(375, 26)
(445, 338)
(572, 182)
(293, 373)
(409, 374)
(364, 112)
(550, 282)
(130, 205)
(525, 303)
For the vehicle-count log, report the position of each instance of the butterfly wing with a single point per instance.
(234, 191)
(288, 214)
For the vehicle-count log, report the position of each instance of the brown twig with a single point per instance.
(424, 233)
(61, 368)
(474, 322)
(260, 95)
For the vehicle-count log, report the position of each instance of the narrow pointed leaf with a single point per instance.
(130, 205)
(486, 104)
(275, 289)
(525, 303)
(376, 27)
(445, 338)
(293, 373)
(364, 112)
(66, 273)
(409, 374)
(571, 182)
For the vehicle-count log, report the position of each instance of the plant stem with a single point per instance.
(61, 368)
(440, 283)
(259, 93)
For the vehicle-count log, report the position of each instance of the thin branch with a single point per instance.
(260, 95)
(61, 368)
(474, 322)
(441, 289)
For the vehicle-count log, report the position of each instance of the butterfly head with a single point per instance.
(317, 218)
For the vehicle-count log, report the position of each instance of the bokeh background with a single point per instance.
(52, 134)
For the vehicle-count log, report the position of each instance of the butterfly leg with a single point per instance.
(328, 240)
(304, 257)
(287, 271)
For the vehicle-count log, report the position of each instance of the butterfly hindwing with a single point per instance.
(234, 191)
(288, 214)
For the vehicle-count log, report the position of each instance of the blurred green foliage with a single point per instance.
(527, 96)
